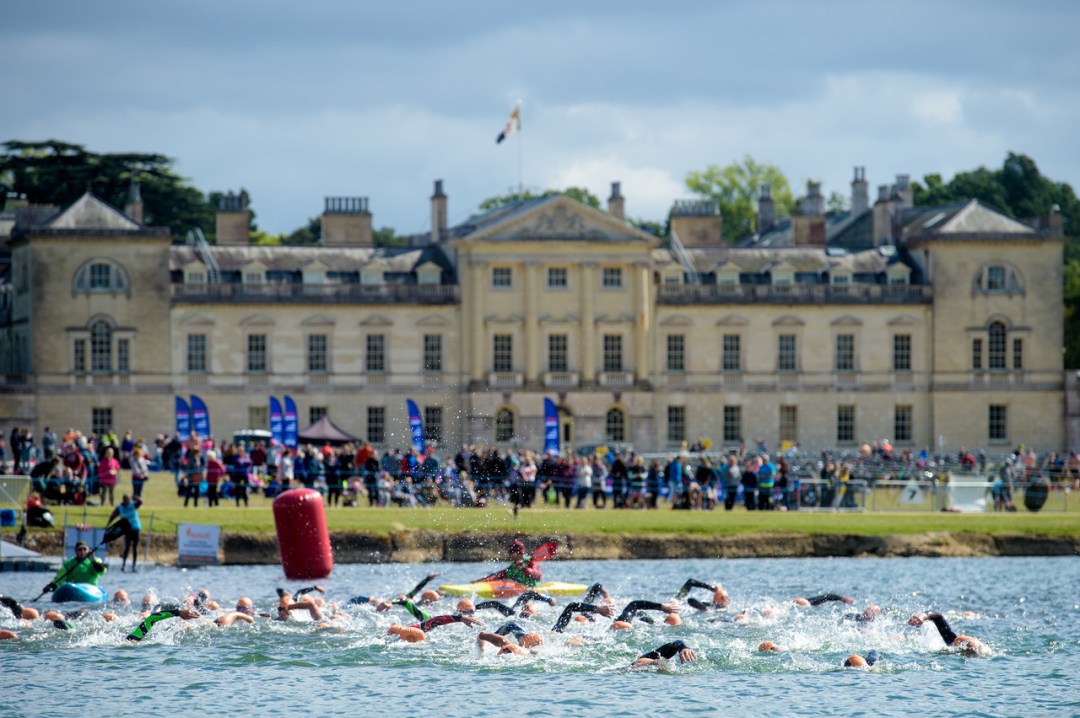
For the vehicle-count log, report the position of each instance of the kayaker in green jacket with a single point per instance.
(83, 567)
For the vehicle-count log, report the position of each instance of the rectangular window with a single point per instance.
(785, 353)
(502, 277)
(901, 352)
(845, 352)
(976, 354)
(433, 352)
(256, 354)
(558, 352)
(995, 279)
(317, 360)
(612, 278)
(433, 424)
(902, 423)
(79, 359)
(123, 356)
(999, 422)
(845, 424)
(99, 276)
(196, 353)
(258, 417)
(502, 352)
(1018, 354)
(315, 413)
(376, 424)
(732, 424)
(101, 420)
(557, 278)
(613, 352)
(375, 353)
(676, 352)
(731, 354)
(676, 424)
(789, 424)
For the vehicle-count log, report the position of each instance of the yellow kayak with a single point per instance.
(509, 589)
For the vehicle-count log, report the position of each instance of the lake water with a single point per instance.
(1026, 611)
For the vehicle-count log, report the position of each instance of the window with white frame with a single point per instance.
(504, 425)
(731, 353)
(732, 424)
(101, 420)
(789, 424)
(101, 348)
(196, 353)
(375, 353)
(612, 278)
(615, 425)
(845, 352)
(502, 352)
(786, 356)
(845, 424)
(995, 349)
(433, 353)
(433, 430)
(502, 277)
(256, 354)
(676, 353)
(613, 359)
(556, 278)
(902, 418)
(123, 356)
(376, 424)
(676, 424)
(901, 352)
(558, 352)
(999, 422)
(318, 361)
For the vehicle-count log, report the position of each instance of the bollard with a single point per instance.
(303, 539)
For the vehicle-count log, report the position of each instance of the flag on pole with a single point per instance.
(416, 424)
(512, 125)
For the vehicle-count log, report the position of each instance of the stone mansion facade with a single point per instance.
(917, 324)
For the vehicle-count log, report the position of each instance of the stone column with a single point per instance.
(531, 330)
(474, 335)
(587, 332)
(642, 321)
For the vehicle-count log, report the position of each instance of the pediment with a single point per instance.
(504, 319)
(732, 320)
(561, 219)
(434, 320)
(197, 319)
(319, 320)
(257, 320)
(253, 267)
(615, 319)
(677, 320)
(904, 320)
(564, 319)
(789, 320)
(376, 320)
(89, 212)
(846, 320)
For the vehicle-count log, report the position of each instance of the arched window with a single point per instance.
(100, 347)
(100, 275)
(616, 425)
(996, 346)
(504, 425)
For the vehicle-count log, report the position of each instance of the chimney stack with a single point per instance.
(438, 213)
(346, 222)
(233, 220)
(905, 192)
(883, 214)
(697, 223)
(813, 204)
(134, 207)
(860, 193)
(766, 209)
(616, 204)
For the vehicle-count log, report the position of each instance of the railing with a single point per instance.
(561, 379)
(328, 293)
(799, 293)
(505, 379)
(616, 378)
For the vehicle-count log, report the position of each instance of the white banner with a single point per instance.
(197, 544)
(93, 537)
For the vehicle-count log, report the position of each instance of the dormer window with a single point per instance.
(783, 278)
(841, 278)
(995, 279)
(998, 278)
(195, 278)
(254, 277)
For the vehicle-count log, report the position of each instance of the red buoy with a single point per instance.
(303, 539)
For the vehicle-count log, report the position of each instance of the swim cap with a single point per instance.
(6, 635)
(531, 640)
(395, 629)
(621, 626)
(672, 619)
(54, 616)
(411, 634)
(465, 605)
(121, 597)
(30, 614)
(580, 619)
(855, 661)
(528, 610)
(517, 545)
(720, 598)
(430, 595)
(768, 647)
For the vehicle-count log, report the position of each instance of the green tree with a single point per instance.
(509, 200)
(735, 187)
(58, 173)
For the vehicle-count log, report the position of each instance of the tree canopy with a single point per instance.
(56, 172)
(508, 200)
(735, 187)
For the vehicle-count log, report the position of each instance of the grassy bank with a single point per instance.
(167, 512)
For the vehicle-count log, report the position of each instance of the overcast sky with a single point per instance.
(297, 101)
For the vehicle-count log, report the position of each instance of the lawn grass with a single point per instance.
(167, 511)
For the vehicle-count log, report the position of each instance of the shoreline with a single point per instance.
(426, 546)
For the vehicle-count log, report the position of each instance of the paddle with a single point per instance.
(541, 553)
(112, 532)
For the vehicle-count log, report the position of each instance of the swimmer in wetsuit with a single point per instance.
(143, 628)
(622, 622)
(382, 604)
(823, 598)
(505, 645)
(666, 652)
(522, 602)
(720, 596)
(857, 661)
(967, 645)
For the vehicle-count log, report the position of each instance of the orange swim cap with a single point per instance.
(528, 610)
(621, 626)
(576, 641)
(768, 647)
(580, 619)
(30, 614)
(672, 619)
(121, 597)
(801, 602)
(109, 617)
(855, 661)
(465, 605)
(6, 635)
(54, 616)
(411, 634)
(430, 595)
(720, 598)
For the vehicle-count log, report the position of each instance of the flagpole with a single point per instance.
(521, 180)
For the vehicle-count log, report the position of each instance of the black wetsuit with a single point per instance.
(633, 607)
(825, 598)
(947, 633)
(512, 628)
(564, 618)
(668, 650)
(692, 583)
(437, 621)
